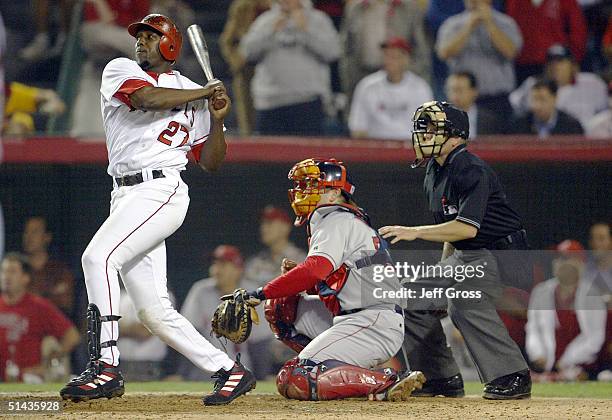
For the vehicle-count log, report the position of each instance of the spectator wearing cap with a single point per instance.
(367, 24)
(291, 46)
(383, 102)
(544, 23)
(579, 94)
(484, 42)
(274, 231)
(202, 300)
(544, 119)
(462, 91)
(25, 321)
(566, 325)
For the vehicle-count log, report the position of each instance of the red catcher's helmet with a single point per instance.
(171, 38)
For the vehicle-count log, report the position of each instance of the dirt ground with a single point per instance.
(188, 405)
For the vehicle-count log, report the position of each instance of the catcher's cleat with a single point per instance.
(230, 385)
(402, 388)
(451, 387)
(99, 380)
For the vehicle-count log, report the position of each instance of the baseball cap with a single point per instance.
(458, 119)
(571, 248)
(228, 253)
(558, 52)
(397, 42)
(271, 213)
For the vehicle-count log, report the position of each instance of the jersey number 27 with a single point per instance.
(173, 128)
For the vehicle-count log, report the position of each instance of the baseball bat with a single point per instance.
(200, 48)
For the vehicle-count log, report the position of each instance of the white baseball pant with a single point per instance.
(132, 242)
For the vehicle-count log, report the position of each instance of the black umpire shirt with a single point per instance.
(465, 188)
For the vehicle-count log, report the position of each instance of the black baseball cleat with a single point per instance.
(230, 385)
(99, 380)
(451, 387)
(515, 386)
(402, 389)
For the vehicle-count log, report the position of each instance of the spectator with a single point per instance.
(141, 352)
(50, 278)
(103, 37)
(599, 265)
(462, 91)
(544, 119)
(241, 15)
(23, 101)
(384, 101)
(543, 24)
(367, 24)
(25, 320)
(40, 47)
(291, 45)
(274, 230)
(566, 325)
(484, 42)
(600, 126)
(203, 298)
(580, 94)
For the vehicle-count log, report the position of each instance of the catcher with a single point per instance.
(335, 360)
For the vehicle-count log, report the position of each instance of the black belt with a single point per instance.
(397, 309)
(516, 240)
(129, 180)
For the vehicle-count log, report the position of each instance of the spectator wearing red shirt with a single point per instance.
(103, 30)
(25, 319)
(606, 43)
(550, 22)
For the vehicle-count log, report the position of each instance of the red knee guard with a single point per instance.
(294, 381)
(280, 314)
(330, 380)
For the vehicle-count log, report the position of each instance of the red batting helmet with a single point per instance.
(171, 38)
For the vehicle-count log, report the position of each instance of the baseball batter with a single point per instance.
(367, 329)
(152, 117)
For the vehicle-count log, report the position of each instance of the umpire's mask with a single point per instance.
(433, 124)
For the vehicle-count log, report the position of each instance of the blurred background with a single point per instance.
(540, 108)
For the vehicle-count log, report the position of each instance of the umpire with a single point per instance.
(473, 221)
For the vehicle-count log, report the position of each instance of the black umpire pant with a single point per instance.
(494, 353)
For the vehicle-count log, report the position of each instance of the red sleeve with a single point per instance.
(303, 277)
(127, 88)
(577, 30)
(56, 323)
(197, 151)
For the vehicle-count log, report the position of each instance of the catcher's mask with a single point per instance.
(433, 124)
(312, 177)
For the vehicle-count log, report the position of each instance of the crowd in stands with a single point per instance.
(311, 67)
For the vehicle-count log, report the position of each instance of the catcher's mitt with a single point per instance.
(234, 317)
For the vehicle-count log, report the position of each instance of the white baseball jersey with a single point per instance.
(345, 239)
(138, 139)
(383, 109)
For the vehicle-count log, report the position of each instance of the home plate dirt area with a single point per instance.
(154, 405)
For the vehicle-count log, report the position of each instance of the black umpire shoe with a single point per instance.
(515, 386)
(99, 380)
(447, 387)
(230, 384)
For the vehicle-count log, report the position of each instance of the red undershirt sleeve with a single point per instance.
(127, 88)
(303, 277)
